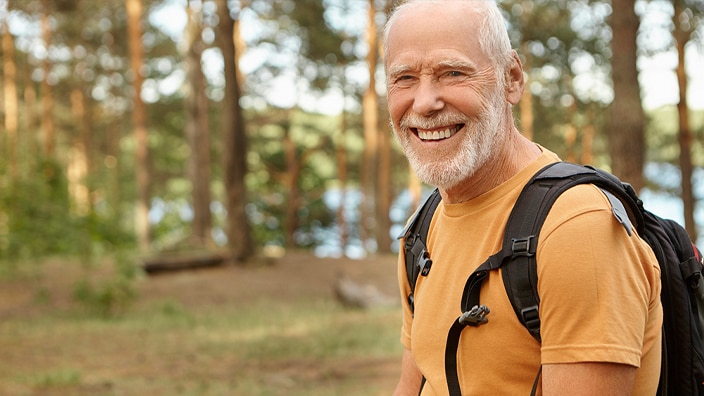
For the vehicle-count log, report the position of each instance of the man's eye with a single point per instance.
(455, 73)
(403, 79)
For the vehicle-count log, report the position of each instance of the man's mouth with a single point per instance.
(437, 134)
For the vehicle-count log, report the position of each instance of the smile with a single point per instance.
(438, 134)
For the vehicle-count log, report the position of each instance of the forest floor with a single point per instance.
(260, 329)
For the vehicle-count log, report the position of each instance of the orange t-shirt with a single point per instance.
(599, 291)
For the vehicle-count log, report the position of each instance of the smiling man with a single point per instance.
(452, 80)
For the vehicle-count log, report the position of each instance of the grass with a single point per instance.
(268, 347)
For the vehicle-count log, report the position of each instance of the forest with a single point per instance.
(154, 126)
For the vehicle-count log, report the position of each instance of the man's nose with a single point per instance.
(428, 98)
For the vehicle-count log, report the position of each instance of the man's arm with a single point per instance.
(411, 377)
(574, 379)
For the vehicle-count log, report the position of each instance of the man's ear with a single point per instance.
(515, 80)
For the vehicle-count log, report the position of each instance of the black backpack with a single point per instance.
(682, 295)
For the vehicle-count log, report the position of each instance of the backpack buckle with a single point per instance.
(531, 319)
(523, 246)
(475, 316)
(424, 263)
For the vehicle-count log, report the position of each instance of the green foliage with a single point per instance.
(110, 296)
(320, 44)
(37, 220)
(313, 162)
(59, 378)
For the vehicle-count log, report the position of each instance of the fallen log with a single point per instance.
(181, 261)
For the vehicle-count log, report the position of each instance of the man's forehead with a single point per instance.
(465, 10)
(439, 26)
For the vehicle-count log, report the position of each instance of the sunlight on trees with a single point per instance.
(122, 129)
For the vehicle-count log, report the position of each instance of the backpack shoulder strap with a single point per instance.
(519, 246)
(415, 234)
(519, 269)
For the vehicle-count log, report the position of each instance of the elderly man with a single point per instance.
(452, 79)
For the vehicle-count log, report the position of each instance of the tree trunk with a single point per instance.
(383, 192)
(235, 142)
(571, 134)
(139, 123)
(370, 105)
(198, 132)
(77, 172)
(113, 164)
(30, 143)
(682, 34)
(291, 176)
(11, 101)
(47, 94)
(588, 143)
(341, 157)
(626, 130)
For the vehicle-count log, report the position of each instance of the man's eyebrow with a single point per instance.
(455, 64)
(398, 69)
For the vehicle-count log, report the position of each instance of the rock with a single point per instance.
(353, 294)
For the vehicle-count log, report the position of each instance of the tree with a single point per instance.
(626, 127)
(10, 97)
(373, 214)
(685, 20)
(197, 129)
(139, 122)
(235, 143)
(47, 94)
(555, 110)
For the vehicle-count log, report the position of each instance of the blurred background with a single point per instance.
(156, 124)
(141, 140)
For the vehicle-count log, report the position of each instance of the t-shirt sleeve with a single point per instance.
(596, 283)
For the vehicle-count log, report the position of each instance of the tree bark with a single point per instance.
(383, 192)
(682, 34)
(291, 180)
(588, 133)
(139, 123)
(47, 94)
(11, 101)
(370, 105)
(77, 172)
(198, 132)
(341, 158)
(235, 142)
(626, 130)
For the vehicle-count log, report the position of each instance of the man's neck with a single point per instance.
(515, 155)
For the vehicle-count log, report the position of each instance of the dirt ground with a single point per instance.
(296, 275)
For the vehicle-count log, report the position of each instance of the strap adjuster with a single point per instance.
(475, 316)
(523, 246)
(424, 263)
(531, 318)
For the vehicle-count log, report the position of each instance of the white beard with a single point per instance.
(480, 140)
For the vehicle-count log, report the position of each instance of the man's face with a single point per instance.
(445, 105)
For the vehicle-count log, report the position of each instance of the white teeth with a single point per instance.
(437, 135)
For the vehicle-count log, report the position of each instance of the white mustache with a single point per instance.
(416, 121)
